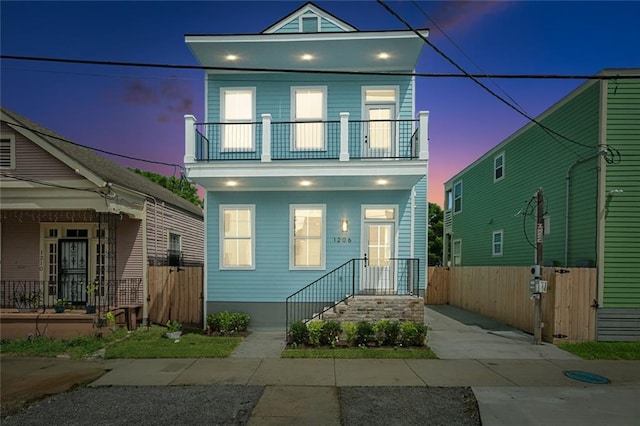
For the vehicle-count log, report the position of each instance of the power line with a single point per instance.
(129, 157)
(475, 78)
(329, 72)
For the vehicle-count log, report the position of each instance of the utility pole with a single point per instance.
(538, 324)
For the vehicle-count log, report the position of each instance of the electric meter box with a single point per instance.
(537, 286)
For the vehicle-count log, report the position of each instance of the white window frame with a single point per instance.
(455, 198)
(307, 16)
(252, 120)
(12, 150)
(495, 252)
(455, 255)
(252, 210)
(295, 120)
(496, 167)
(323, 236)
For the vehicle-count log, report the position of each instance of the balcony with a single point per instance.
(217, 152)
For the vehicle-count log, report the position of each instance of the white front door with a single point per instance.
(378, 268)
(379, 131)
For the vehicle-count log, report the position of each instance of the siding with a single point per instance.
(532, 160)
(129, 263)
(272, 281)
(35, 163)
(20, 241)
(294, 27)
(166, 218)
(622, 226)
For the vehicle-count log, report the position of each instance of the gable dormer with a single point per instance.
(309, 19)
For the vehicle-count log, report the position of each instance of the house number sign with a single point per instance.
(342, 240)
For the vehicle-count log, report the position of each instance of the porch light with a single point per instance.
(231, 57)
(383, 55)
(305, 183)
(307, 57)
(345, 226)
(382, 182)
(231, 183)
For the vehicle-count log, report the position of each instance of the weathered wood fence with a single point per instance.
(176, 295)
(502, 293)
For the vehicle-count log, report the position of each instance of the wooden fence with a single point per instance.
(176, 295)
(502, 293)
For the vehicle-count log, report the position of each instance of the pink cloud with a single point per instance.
(451, 15)
(172, 97)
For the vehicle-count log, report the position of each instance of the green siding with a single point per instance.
(622, 220)
(533, 159)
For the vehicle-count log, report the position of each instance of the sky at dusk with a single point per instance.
(139, 111)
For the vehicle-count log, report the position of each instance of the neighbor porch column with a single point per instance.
(189, 139)
(344, 136)
(423, 136)
(266, 138)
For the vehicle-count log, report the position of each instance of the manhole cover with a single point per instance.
(585, 376)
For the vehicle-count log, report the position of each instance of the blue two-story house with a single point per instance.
(314, 164)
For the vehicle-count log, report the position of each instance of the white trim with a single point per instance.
(12, 150)
(290, 37)
(493, 243)
(453, 207)
(179, 234)
(395, 220)
(221, 239)
(251, 121)
(495, 168)
(323, 237)
(294, 120)
(308, 16)
(308, 9)
(412, 225)
(205, 281)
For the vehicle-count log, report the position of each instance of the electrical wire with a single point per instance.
(475, 79)
(51, 184)
(329, 72)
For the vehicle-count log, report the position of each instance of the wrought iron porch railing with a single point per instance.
(355, 277)
(33, 296)
(314, 140)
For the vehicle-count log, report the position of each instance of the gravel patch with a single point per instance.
(391, 405)
(144, 405)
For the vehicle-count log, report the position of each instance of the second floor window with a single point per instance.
(457, 197)
(309, 114)
(237, 113)
(498, 167)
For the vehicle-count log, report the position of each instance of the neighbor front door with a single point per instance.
(73, 270)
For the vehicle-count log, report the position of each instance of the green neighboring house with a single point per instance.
(591, 188)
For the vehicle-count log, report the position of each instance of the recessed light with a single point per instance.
(307, 57)
(305, 183)
(231, 183)
(231, 57)
(382, 182)
(383, 55)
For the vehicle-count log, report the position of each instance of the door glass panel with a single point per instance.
(380, 131)
(73, 263)
(379, 214)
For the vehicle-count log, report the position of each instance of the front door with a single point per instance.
(379, 131)
(73, 270)
(378, 268)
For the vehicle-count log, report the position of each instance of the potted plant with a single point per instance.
(174, 329)
(91, 297)
(61, 304)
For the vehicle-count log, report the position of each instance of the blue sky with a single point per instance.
(139, 111)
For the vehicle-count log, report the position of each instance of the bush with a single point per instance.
(330, 333)
(387, 332)
(298, 333)
(349, 329)
(364, 333)
(315, 331)
(413, 334)
(228, 323)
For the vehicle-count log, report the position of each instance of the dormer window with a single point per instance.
(309, 24)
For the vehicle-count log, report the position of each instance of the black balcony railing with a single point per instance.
(355, 277)
(315, 140)
(34, 296)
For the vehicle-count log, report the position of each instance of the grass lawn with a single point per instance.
(143, 343)
(603, 350)
(354, 353)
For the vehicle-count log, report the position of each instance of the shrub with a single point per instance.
(315, 331)
(349, 329)
(364, 333)
(387, 332)
(228, 323)
(298, 333)
(330, 333)
(413, 334)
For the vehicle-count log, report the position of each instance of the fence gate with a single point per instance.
(176, 294)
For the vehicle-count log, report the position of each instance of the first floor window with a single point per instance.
(497, 243)
(174, 254)
(457, 252)
(307, 245)
(237, 236)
